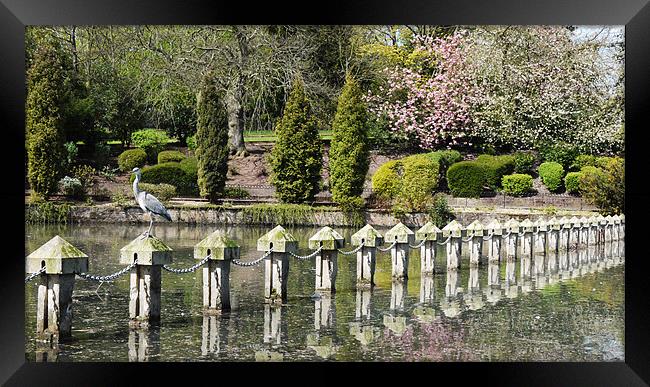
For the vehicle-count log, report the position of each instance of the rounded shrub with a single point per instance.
(386, 180)
(162, 191)
(582, 161)
(466, 179)
(170, 173)
(551, 174)
(495, 168)
(419, 182)
(151, 140)
(131, 158)
(605, 187)
(170, 156)
(572, 182)
(524, 161)
(517, 184)
(562, 153)
(190, 166)
(445, 159)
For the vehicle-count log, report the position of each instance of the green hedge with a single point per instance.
(170, 156)
(551, 174)
(170, 173)
(445, 159)
(495, 168)
(151, 140)
(582, 161)
(524, 161)
(386, 180)
(562, 153)
(517, 184)
(162, 191)
(419, 181)
(572, 182)
(131, 158)
(466, 179)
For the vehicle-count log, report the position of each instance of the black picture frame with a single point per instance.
(634, 14)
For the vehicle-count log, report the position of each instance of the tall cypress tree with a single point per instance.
(296, 158)
(211, 140)
(349, 148)
(44, 129)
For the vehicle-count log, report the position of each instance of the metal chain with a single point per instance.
(189, 269)
(34, 275)
(420, 245)
(387, 248)
(351, 252)
(110, 277)
(507, 235)
(469, 238)
(489, 236)
(445, 241)
(305, 257)
(251, 263)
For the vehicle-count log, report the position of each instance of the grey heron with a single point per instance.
(149, 203)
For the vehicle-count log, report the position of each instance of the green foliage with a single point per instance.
(131, 158)
(606, 189)
(560, 152)
(121, 200)
(170, 173)
(466, 179)
(572, 182)
(418, 182)
(236, 193)
(524, 162)
(386, 180)
(72, 187)
(445, 158)
(296, 159)
(71, 151)
(170, 156)
(190, 166)
(101, 154)
(47, 212)
(439, 212)
(46, 154)
(550, 210)
(162, 191)
(274, 214)
(517, 184)
(86, 175)
(495, 168)
(582, 161)
(349, 147)
(191, 143)
(211, 140)
(153, 141)
(551, 174)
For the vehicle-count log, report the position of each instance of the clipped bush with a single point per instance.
(85, 174)
(170, 173)
(466, 179)
(131, 158)
(190, 166)
(524, 162)
(561, 153)
(419, 182)
(495, 168)
(445, 159)
(572, 182)
(517, 184)
(551, 174)
(602, 161)
(162, 191)
(386, 180)
(605, 188)
(170, 156)
(582, 161)
(151, 140)
(72, 187)
(236, 193)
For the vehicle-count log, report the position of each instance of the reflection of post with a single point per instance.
(398, 295)
(563, 258)
(323, 346)
(47, 353)
(510, 283)
(493, 291)
(402, 236)
(213, 333)
(427, 290)
(365, 334)
(324, 312)
(143, 344)
(272, 324)
(429, 235)
(540, 277)
(366, 257)
(473, 297)
(362, 308)
(473, 282)
(451, 288)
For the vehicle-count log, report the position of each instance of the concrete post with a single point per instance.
(475, 230)
(513, 229)
(554, 227)
(400, 252)
(593, 231)
(61, 261)
(616, 220)
(494, 248)
(328, 241)
(574, 233)
(216, 274)
(609, 228)
(584, 232)
(429, 234)
(621, 230)
(366, 257)
(453, 231)
(565, 229)
(276, 265)
(539, 237)
(602, 222)
(527, 229)
(145, 279)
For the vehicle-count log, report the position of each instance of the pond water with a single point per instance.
(565, 309)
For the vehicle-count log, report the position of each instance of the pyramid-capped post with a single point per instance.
(526, 225)
(219, 246)
(601, 219)
(279, 240)
(616, 219)
(593, 221)
(475, 228)
(584, 221)
(554, 224)
(400, 234)
(453, 229)
(512, 225)
(565, 222)
(58, 256)
(494, 227)
(622, 218)
(149, 251)
(428, 232)
(367, 236)
(541, 225)
(575, 221)
(328, 238)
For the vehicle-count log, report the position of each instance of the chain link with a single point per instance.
(351, 252)
(507, 235)
(445, 242)
(34, 275)
(305, 257)
(387, 248)
(110, 277)
(469, 238)
(418, 246)
(251, 263)
(489, 236)
(189, 269)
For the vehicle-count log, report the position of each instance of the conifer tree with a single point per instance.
(211, 140)
(296, 158)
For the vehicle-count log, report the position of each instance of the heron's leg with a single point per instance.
(150, 224)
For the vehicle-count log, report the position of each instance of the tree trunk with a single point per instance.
(235, 122)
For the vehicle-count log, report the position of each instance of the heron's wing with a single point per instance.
(154, 205)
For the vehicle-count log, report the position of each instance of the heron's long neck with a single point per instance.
(136, 190)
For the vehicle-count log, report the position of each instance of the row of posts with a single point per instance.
(60, 261)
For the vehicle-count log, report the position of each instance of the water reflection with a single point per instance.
(144, 344)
